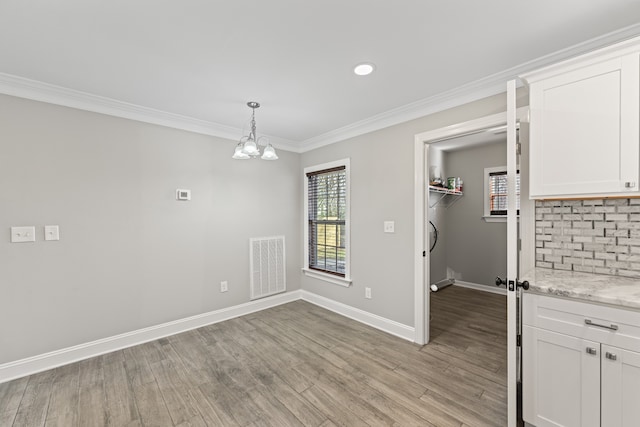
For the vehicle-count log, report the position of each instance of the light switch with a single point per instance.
(51, 232)
(389, 226)
(23, 234)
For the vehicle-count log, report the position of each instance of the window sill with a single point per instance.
(497, 218)
(336, 280)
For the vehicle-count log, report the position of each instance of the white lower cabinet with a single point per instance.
(561, 379)
(572, 375)
(620, 387)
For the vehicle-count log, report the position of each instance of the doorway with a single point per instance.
(466, 224)
(422, 267)
(472, 132)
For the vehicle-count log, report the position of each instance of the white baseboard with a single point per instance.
(479, 287)
(43, 362)
(392, 327)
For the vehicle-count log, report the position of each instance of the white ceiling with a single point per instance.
(204, 59)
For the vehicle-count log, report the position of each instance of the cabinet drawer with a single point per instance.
(595, 322)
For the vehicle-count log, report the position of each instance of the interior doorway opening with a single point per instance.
(516, 257)
(466, 213)
(474, 134)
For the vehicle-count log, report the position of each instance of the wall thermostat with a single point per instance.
(183, 194)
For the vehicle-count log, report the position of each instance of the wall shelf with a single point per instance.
(446, 197)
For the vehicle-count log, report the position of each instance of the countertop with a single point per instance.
(600, 288)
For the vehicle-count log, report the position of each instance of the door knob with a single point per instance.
(524, 285)
(500, 282)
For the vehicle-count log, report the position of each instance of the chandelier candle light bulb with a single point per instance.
(248, 147)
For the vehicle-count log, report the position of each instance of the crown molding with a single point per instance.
(492, 85)
(617, 50)
(44, 92)
(482, 88)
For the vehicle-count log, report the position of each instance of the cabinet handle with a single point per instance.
(591, 350)
(611, 326)
(611, 356)
(629, 184)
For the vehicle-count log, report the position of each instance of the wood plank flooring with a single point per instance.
(292, 365)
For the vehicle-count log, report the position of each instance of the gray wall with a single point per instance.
(130, 255)
(476, 250)
(382, 165)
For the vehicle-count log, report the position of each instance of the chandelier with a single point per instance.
(248, 147)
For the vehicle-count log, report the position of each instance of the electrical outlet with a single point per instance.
(367, 293)
(23, 234)
(224, 286)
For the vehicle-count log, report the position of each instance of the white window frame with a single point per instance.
(336, 280)
(487, 203)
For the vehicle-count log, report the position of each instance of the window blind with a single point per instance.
(327, 204)
(498, 193)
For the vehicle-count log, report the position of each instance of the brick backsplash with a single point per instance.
(594, 236)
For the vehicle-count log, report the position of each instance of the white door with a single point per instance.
(512, 255)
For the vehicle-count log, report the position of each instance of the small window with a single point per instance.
(495, 192)
(327, 222)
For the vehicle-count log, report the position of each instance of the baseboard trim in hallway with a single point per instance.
(479, 287)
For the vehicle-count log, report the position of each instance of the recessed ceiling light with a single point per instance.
(364, 69)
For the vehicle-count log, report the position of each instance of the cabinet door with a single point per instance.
(584, 130)
(620, 387)
(560, 379)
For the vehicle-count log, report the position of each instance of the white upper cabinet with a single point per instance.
(585, 124)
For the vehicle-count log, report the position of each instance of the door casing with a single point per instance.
(421, 261)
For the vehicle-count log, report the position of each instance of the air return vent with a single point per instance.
(267, 266)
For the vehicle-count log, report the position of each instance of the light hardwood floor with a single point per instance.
(296, 364)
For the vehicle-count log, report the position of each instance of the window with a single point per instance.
(495, 193)
(327, 222)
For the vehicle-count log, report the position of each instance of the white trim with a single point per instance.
(592, 57)
(42, 362)
(390, 326)
(482, 88)
(347, 232)
(512, 253)
(336, 280)
(58, 95)
(494, 218)
(421, 263)
(479, 287)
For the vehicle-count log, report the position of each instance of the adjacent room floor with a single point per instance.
(296, 364)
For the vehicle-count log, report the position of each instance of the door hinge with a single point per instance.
(518, 148)
(519, 340)
(519, 244)
(424, 253)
